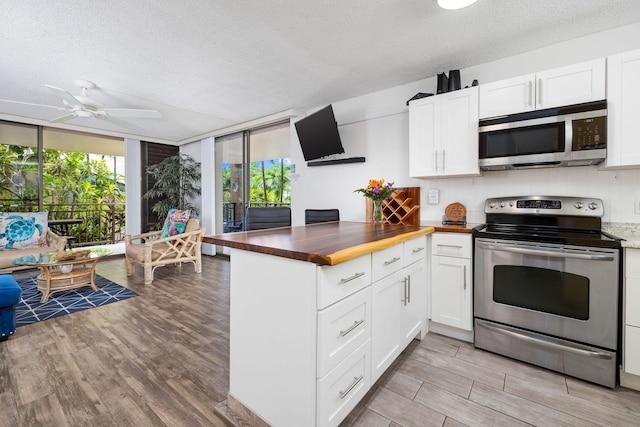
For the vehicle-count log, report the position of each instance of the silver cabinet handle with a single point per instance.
(404, 291)
(348, 279)
(530, 104)
(391, 261)
(443, 162)
(408, 289)
(355, 382)
(464, 276)
(436, 159)
(539, 91)
(352, 327)
(416, 250)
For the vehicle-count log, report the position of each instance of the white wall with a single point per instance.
(376, 126)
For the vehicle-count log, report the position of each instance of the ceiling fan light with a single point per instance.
(455, 4)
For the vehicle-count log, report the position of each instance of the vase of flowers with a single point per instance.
(377, 191)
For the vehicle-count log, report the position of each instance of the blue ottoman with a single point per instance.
(9, 296)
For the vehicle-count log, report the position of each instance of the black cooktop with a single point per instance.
(542, 234)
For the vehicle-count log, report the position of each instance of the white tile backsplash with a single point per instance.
(617, 189)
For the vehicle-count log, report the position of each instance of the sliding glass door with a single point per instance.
(254, 168)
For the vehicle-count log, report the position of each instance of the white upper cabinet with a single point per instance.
(623, 110)
(443, 135)
(568, 85)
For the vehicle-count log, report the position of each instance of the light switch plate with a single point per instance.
(433, 196)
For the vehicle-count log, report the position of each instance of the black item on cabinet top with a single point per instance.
(418, 96)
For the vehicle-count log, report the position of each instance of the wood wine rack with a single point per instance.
(401, 208)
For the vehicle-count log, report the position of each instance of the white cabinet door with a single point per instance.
(412, 302)
(510, 96)
(443, 135)
(451, 295)
(459, 146)
(572, 84)
(424, 134)
(623, 92)
(385, 323)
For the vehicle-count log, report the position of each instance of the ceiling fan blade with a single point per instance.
(66, 96)
(133, 113)
(63, 119)
(31, 103)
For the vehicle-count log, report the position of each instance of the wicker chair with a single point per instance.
(155, 251)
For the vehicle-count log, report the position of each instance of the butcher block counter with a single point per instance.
(328, 243)
(317, 314)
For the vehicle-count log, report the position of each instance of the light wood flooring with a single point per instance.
(162, 359)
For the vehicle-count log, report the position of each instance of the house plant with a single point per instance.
(377, 191)
(177, 184)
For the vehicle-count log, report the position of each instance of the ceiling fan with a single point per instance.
(84, 106)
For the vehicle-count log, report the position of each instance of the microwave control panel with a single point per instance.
(589, 134)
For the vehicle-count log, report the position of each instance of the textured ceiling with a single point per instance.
(210, 64)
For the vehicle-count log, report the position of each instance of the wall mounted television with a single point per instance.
(318, 134)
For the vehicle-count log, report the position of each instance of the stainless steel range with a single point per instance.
(547, 285)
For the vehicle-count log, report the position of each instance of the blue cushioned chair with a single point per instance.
(10, 294)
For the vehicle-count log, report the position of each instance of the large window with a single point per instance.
(72, 175)
(254, 169)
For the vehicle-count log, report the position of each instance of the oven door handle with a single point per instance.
(544, 252)
(570, 348)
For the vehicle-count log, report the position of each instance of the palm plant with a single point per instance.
(176, 185)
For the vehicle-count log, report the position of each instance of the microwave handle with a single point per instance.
(568, 135)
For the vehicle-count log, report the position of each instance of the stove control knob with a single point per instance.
(593, 206)
(511, 204)
(503, 204)
(492, 205)
(578, 205)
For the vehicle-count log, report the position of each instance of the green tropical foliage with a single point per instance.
(75, 185)
(270, 182)
(177, 180)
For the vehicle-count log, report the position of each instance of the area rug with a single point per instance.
(30, 309)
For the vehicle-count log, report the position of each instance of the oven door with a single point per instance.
(566, 291)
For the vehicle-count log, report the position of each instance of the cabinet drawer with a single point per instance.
(386, 261)
(414, 250)
(631, 350)
(451, 244)
(339, 281)
(341, 389)
(342, 328)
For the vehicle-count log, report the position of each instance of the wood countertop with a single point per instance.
(439, 227)
(328, 243)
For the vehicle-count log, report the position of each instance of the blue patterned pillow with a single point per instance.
(22, 230)
(176, 222)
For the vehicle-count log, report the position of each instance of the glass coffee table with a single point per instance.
(63, 274)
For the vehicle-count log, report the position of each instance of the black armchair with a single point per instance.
(260, 218)
(313, 216)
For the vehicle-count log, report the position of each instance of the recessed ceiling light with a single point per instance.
(455, 4)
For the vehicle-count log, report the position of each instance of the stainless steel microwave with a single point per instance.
(575, 135)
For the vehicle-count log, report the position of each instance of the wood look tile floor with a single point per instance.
(162, 359)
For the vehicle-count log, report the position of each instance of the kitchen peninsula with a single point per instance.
(318, 313)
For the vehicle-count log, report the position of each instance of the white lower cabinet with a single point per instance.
(307, 342)
(631, 327)
(451, 286)
(398, 307)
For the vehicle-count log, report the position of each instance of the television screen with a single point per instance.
(318, 134)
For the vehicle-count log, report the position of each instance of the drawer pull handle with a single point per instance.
(416, 250)
(355, 382)
(348, 279)
(352, 327)
(391, 261)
